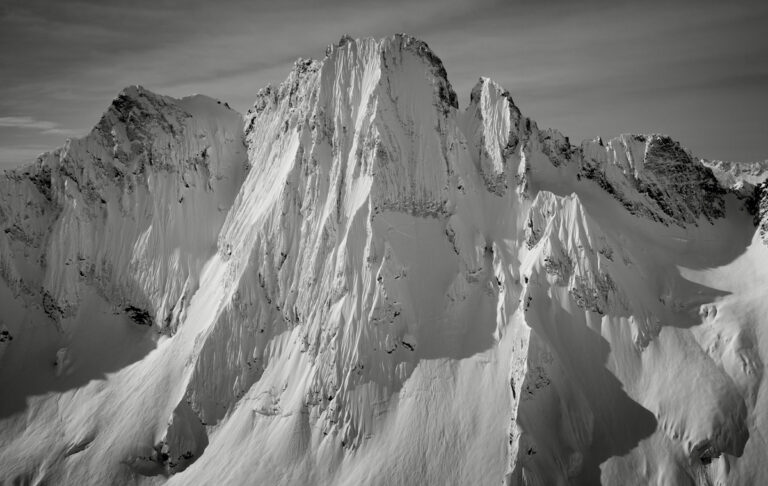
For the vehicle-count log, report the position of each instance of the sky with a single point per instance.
(695, 70)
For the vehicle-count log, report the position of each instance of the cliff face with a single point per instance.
(359, 283)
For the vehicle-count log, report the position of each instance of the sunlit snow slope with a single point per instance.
(359, 283)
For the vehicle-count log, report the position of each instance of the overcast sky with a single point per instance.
(697, 70)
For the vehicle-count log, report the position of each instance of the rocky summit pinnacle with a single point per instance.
(357, 282)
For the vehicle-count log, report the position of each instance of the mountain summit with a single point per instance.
(359, 283)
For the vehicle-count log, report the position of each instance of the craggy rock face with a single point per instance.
(658, 178)
(760, 209)
(359, 283)
(682, 187)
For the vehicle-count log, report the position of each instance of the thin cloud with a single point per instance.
(43, 126)
(65, 132)
(26, 122)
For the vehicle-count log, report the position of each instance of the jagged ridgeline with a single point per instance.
(360, 282)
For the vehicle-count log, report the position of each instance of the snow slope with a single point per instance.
(359, 283)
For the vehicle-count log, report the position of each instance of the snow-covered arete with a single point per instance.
(359, 283)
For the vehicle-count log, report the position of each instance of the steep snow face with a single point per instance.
(492, 124)
(103, 240)
(339, 237)
(603, 297)
(358, 283)
(120, 209)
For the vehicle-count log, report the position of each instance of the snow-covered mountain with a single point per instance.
(360, 283)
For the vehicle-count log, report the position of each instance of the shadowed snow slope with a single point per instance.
(359, 283)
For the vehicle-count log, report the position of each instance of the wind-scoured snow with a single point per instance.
(359, 283)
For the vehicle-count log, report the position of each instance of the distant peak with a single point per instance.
(399, 41)
(485, 83)
(132, 91)
(137, 92)
(139, 108)
(416, 46)
(410, 42)
(660, 145)
(492, 91)
(138, 97)
(345, 39)
(413, 45)
(393, 46)
(303, 66)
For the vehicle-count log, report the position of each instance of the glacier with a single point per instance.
(357, 282)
